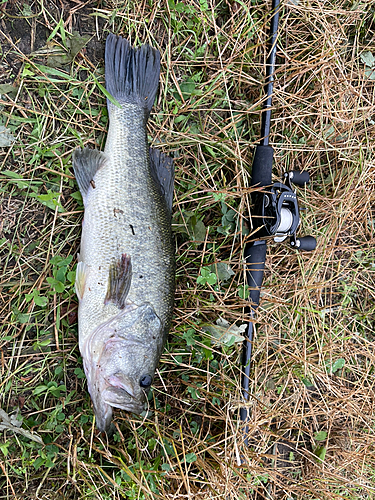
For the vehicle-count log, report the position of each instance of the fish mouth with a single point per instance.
(104, 404)
(133, 407)
(124, 398)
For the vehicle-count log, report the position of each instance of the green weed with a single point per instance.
(312, 370)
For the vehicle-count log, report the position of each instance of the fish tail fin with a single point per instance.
(131, 75)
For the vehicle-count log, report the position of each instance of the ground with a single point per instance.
(311, 433)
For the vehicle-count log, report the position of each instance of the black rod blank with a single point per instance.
(270, 74)
(255, 256)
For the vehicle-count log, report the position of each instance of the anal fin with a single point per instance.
(120, 276)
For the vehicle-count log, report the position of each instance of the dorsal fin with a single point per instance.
(162, 171)
(86, 162)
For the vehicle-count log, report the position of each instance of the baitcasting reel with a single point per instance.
(277, 211)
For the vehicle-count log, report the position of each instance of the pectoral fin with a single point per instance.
(81, 276)
(120, 277)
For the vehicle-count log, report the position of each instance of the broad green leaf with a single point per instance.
(27, 71)
(219, 196)
(320, 436)
(207, 351)
(12, 175)
(44, 343)
(189, 337)
(38, 462)
(7, 88)
(50, 200)
(23, 318)
(40, 389)
(187, 88)
(26, 11)
(59, 261)
(59, 61)
(337, 365)
(222, 270)
(60, 274)
(206, 276)
(180, 118)
(76, 43)
(190, 458)
(79, 372)
(199, 231)
(320, 453)
(40, 301)
(243, 292)
(77, 196)
(4, 448)
(56, 284)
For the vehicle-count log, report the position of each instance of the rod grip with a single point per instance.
(261, 174)
(255, 256)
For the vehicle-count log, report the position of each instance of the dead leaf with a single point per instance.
(6, 137)
(225, 333)
(11, 423)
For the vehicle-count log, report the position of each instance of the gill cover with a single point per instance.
(117, 356)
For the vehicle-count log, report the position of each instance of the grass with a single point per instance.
(311, 433)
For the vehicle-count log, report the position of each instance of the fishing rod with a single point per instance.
(275, 213)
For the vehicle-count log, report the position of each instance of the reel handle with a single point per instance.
(306, 243)
(298, 178)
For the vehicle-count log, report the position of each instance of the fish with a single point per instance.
(125, 278)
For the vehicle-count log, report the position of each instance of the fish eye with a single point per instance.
(145, 381)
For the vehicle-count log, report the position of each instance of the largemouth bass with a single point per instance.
(126, 269)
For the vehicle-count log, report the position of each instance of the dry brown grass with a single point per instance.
(313, 361)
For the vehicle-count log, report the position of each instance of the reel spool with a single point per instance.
(278, 212)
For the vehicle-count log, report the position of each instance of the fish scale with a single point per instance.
(127, 224)
(125, 196)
